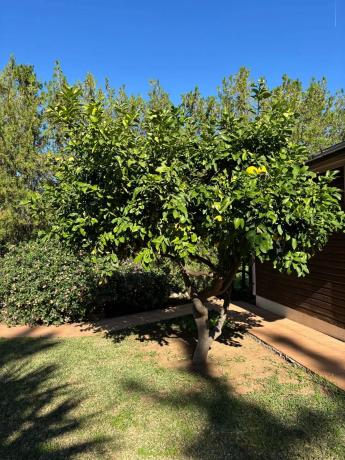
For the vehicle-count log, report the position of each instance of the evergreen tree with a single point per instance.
(21, 164)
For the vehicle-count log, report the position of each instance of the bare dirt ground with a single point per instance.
(247, 366)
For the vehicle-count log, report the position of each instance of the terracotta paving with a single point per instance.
(98, 327)
(318, 352)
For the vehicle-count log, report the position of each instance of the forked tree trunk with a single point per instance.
(221, 287)
(205, 337)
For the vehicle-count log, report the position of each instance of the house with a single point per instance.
(318, 300)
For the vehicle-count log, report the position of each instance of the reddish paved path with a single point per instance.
(98, 327)
(318, 352)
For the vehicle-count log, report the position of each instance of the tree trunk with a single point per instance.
(220, 288)
(205, 338)
(200, 313)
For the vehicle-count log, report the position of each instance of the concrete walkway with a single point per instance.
(318, 352)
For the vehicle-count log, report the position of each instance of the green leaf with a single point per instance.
(238, 222)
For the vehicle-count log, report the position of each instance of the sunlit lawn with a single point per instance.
(98, 398)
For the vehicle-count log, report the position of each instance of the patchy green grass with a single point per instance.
(95, 398)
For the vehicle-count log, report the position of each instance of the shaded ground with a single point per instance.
(133, 396)
(37, 408)
(322, 354)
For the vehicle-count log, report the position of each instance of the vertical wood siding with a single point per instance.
(322, 293)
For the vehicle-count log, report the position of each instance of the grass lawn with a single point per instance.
(133, 396)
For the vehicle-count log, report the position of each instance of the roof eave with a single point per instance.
(327, 152)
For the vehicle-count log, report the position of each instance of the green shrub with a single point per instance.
(132, 289)
(44, 283)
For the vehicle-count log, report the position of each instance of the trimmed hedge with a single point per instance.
(44, 283)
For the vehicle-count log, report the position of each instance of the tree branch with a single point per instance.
(230, 276)
(223, 313)
(220, 285)
(185, 275)
(212, 290)
(204, 261)
(197, 274)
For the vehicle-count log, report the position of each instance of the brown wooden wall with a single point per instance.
(322, 293)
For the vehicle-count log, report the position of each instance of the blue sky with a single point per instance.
(181, 43)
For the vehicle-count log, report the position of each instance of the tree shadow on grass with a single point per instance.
(185, 329)
(34, 410)
(237, 428)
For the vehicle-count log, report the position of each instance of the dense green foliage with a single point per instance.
(132, 289)
(148, 180)
(44, 283)
(28, 139)
(320, 115)
(21, 165)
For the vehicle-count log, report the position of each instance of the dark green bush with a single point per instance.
(44, 283)
(132, 289)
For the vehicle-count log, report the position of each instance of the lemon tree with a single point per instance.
(147, 179)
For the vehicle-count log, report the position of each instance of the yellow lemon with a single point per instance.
(252, 170)
(219, 218)
(262, 170)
